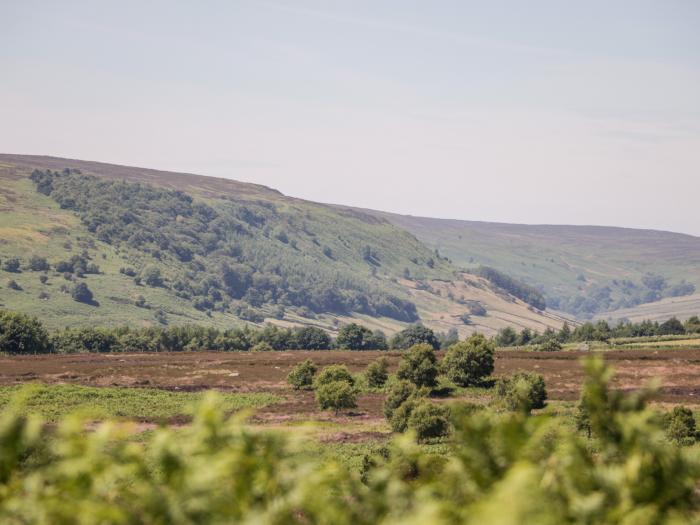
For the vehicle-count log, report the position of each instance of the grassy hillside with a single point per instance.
(160, 247)
(584, 270)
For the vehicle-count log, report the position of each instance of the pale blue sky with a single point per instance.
(535, 112)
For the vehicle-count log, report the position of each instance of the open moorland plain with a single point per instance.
(258, 380)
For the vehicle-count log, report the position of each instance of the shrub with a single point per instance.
(398, 393)
(302, 375)
(13, 285)
(43, 279)
(335, 373)
(128, 271)
(680, 426)
(81, 293)
(336, 395)
(549, 345)
(429, 420)
(11, 265)
(160, 316)
(523, 391)
(21, 334)
(262, 346)
(467, 363)
(400, 417)
(151, 276)
(413, 335)
(377, 373)
(38, 264)
(419, 366)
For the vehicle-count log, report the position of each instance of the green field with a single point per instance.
(56, 401)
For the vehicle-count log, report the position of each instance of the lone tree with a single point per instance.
(81, 293)
(302, 375)
(467, 363)
(336, 395)
(419, 366)
(413, 335)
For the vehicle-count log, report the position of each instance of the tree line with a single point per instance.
(23, 334)
(598, 331)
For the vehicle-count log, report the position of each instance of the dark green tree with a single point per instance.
(311, 338)
(469, 362)
(302, 375)
(522, 391)
(336, 395)
(81, 293)
(413, 335)
(419, 366)
(21, 334)
(377, 372)
(334, 373)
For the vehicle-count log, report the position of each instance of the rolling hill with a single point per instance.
(88, 243)
(582, 270)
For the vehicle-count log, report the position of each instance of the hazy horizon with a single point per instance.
(532, 114)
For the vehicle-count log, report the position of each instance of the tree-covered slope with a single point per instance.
(582, 270)
(129, 245)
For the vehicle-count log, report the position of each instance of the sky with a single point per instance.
(530, 112)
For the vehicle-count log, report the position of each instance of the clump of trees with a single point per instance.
(522, 291)
(551, 340)
(162, 338)
(22, 334)
(619, 293)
